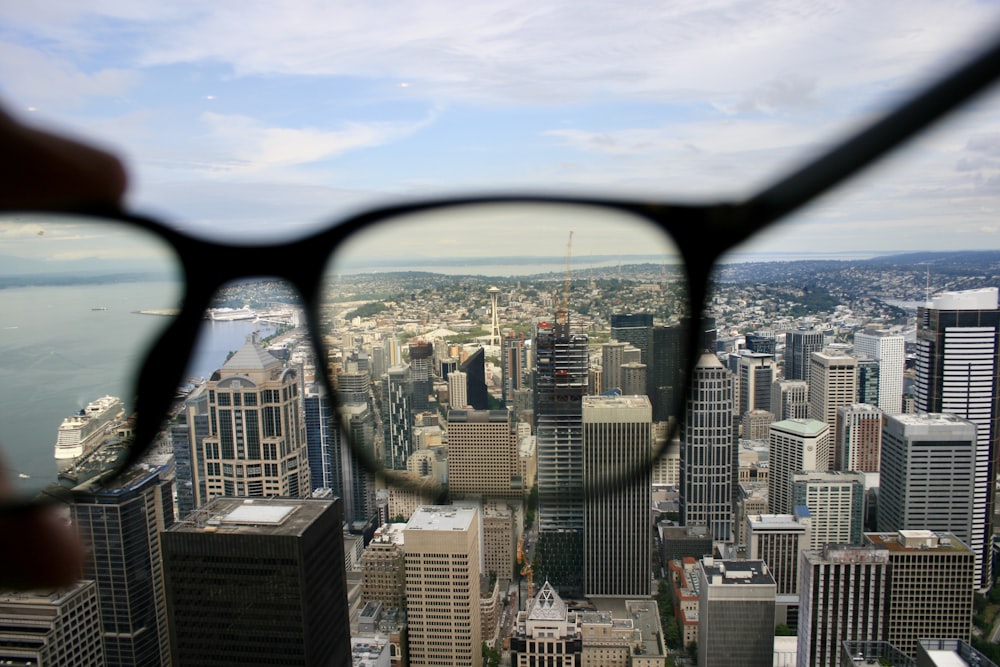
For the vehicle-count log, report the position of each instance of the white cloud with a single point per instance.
(39, 79)
(255, 147)
(740, 52)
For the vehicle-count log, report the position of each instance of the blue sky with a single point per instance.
(248, 118)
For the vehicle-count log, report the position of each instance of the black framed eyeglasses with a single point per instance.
(140, 290)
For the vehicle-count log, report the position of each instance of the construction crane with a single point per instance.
(562, 313)
(526, 569)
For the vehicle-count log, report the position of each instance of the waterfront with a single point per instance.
(64, 346)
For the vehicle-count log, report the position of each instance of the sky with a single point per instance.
(253, 119)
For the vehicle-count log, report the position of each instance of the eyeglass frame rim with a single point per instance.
(726, 224)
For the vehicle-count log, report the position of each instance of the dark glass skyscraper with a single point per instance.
(397, 417)
(617, 440)
(322, 437)
(761, 344)
(799, 346)
(421, 374)
(475, 370)
(634, 328)
(121, 525)
(258, 582)
(186, 437)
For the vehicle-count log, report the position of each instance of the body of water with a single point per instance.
(64, 346)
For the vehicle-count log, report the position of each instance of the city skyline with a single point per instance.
(354, 354)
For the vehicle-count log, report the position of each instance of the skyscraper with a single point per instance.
(357, 487)
(333, 463)
(666, 369)
(707, 450)
(383, 568)
(958, 366)
(353, 386)
(560, 384)
(256, 445)
(186, 437)
(844, 596)
(458, 390)
(612, 354)
(121, 525)
(421, 373)
(483, 454)
(513, 365)
(931, 585)
(52, 627)
(890, 353)
(321, 434)
(442, 586)
(617, 442)
(474, 368)
(928, 477)
(258, 581)
(868, 376)
(634, 379)
(778, 539)
(735, 613)
(762, 343)
(756, 374)
(836, 502)
(397, 415)
(634, 328)
(799, 346)
(796, 445)
(833, 382)
(790, 399)
(546, 632)
(858, 438)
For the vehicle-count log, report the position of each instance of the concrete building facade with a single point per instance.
(928, 478)
(858, 438)
(836, 502)
(442, 587)
(833, 382)
(796, 445)
(890, 353)
(483, 454)
(958, 370)
(931, 585)
(844, 596)
(708, 450)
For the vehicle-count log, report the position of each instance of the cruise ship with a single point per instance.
(80, 433)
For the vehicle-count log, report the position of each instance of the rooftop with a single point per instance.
(803, 427)
(736, 572)
(907, 541)
(254, 516)
(614, 402)
(442, 517)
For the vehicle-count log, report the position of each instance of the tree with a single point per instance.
(491, 657)
(692, 649)
(782, 630)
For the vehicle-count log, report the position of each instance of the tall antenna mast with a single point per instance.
(562, 315)
(927, 297)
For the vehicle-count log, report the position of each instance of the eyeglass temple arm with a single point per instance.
(851, 156)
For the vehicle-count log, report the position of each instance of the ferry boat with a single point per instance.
(80, 433)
